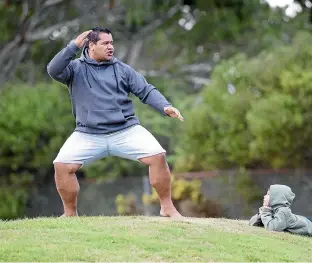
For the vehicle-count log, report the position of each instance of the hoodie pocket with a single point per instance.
(80, 113)
(100, 118)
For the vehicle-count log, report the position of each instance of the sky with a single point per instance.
(292, 8)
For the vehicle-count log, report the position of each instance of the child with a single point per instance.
(276, 215)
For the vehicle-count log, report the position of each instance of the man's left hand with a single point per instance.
(173, 112)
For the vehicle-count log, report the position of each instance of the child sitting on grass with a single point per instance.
(276, 215)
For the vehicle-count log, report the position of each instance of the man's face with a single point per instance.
(103, 50)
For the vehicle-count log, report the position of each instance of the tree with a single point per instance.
(41, 23)
(44, 26)
(306, 5)
(255, 113)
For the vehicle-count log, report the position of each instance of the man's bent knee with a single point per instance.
(66, 167)
(154, 159)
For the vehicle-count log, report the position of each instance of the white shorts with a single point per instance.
(132, 143)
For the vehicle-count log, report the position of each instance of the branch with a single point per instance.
(157, 22)
(43, 34)
(197, 68)
(10, 67)
(139, 37)
(135, 52)
(24, 13)
(9, 47)
(199, 82)
(49, 3)
(41, 13)
(18, 59)
(155, 73)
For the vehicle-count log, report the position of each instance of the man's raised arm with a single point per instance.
(59, 67)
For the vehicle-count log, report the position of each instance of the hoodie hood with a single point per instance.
(85, 57)
(90, 61)
(281, 195)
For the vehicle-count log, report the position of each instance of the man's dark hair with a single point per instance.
(93, 36)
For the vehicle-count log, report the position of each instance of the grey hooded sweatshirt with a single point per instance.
(99, 90)
(278, 216)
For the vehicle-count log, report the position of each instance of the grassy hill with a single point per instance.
(146, 239)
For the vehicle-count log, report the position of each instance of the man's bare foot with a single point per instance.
(173, 213)
(69, 215)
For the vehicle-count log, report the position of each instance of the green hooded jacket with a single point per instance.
(278, 216)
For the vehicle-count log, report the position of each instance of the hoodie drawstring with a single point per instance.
(116, 77)
(87, 75)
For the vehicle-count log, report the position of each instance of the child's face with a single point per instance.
(266, 199)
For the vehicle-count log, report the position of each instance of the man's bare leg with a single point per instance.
(159, 174)
(67, 186)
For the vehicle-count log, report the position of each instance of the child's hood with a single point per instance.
(281, 195)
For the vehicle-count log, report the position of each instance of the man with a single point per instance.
(99, 86)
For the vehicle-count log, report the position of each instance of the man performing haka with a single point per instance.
(106, 125)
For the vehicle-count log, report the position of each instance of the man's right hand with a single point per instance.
(173, 112)
(82, 39)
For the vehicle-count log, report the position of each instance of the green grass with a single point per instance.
(146, 239)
